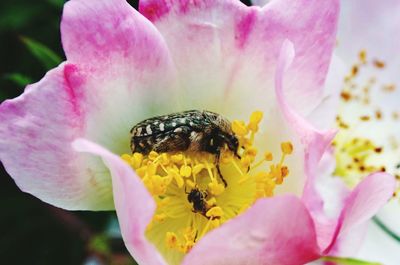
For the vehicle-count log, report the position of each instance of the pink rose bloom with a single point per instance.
(369, 48)
(369, 112)
(66, 138)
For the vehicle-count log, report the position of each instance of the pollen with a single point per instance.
(191, 196)
(365, 142)
(355, 159)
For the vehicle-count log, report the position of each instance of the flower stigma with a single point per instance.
(190, 195)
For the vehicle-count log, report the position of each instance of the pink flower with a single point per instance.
(369, 109)
(62, 139)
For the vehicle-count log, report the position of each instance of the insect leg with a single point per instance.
(217, 157)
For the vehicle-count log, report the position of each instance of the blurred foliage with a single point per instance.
(46, 56)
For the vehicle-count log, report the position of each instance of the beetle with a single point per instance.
(198, 200)
(192, 130)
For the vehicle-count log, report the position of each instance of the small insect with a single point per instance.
(192, 130)
(198, 199)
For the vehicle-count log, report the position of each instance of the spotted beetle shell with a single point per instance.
(184, 131)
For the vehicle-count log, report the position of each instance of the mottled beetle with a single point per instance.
(191, 130)
(198, 200)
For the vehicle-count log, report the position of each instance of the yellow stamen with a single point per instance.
(189, 191)
(255, 119)
(287, 148)
(239, 128)
(186, 171)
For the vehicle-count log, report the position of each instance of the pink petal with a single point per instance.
(362, 203)
(101, 31)
(377, 38)
(128, 73)
(121, 73)
(324, 115)
(134, 205)
(35, 136)
(273, 231)
(315, 142)
(239, 46)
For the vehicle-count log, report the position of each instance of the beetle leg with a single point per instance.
(217, 156)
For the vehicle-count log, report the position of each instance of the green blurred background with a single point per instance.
(33, 232)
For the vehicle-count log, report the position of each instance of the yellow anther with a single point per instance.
(215, 212)
(127, 158)
(153, 155)
(151, 169)
(239, 128)
(141, 171)
(177, 158)
(255, 119)
(252, 151)
(137, 159)
(211, 202)
(276, 172)
(185, 171)
(246, 161)
(284, 171)
(287, 148)
(171, 240)
(363, 56)
(268, 156)
(245, 142)
(164, 159)
(216, 188)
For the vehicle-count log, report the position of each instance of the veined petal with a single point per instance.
(118, 72)
(239, 47)
(265, 234)
(134, 205)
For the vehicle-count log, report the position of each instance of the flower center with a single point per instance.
(354, 159)
(190, 192)
(364, 143)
